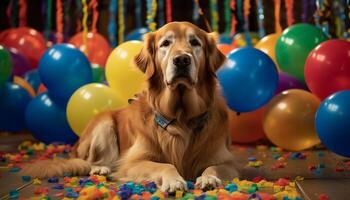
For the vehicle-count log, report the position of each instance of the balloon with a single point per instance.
(226, 48)
(333, 122)
(98, 73)
(97, 47)
(247, 127)
(294, 45)
(24, 84)
(33, 78)
(327, 68)
(28, 42)
(240, 41)
(21, 64)
(41, 89)
(89, 101)
(225, 39)
(47, 121)
(136, 34)
(63, 69)
(121, 73)
(267, 45)
(290, 120)
(248, 79)
(5, 65)
(13, 102)
(286, 82)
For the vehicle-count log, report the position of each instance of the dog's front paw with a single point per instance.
(100, 170)
(171, 184)
(208, 182)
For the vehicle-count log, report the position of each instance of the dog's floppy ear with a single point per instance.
(216, 58)
(145, 59)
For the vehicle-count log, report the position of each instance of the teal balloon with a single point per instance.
(5, 65)
(294, 46)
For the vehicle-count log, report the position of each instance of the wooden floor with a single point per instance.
(336, 185)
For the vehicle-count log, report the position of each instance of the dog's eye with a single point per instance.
(165, 43)
(195, 42)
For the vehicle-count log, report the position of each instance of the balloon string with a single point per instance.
(85, 28)
(278, 28)
(289, 7)
(23, 13)
(261, 18)
(168, 11)
(78, 13)
(160, 12)
(151, 14)
(112, 28)
(214, 15)
(121, 21)
(94, 4)
(233, 17)
(138, 6)
(227, 17)
(246, 12)
(200, 12)
(59, 21)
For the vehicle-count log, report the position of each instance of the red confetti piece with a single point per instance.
(258, 179)
(323, 197)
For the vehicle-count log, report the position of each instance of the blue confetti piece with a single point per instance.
(190, 185)
(15, 169)
(14, 194)
(53, 180)
(58, 187)
(72, 195)
(252, 158)
(231, 187)
(26, 178)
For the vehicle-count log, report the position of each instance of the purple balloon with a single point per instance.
(286, 82)
(21, 65)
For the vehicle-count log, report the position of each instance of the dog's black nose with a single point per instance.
(182, 60)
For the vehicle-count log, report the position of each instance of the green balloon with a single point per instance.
(98, 73)
(294, 46)
(5, 65)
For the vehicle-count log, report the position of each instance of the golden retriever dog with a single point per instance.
(176, 130)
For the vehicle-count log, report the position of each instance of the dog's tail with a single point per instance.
(57, 167)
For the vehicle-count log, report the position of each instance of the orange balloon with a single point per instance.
(24, 84)
(289, 120)
(41, 89)
(97, 47)
(267, 45)
(247, 127)
(226, 48)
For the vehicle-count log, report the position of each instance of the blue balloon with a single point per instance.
(249, 79)
(63, 69)
(136, 34)
(47, 121)
(333, 122)
(13, 103)
(225, 39)
(33, 78)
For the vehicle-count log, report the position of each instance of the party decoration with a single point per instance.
(289, 8)
(80, 109)
(241, 41)
(246, 12)
(286, 82)
(97, 45)
(225, 39)
(21, 64)
(327, 68)
(168, 11)
(94, 4)
(63, 69)
(226, 48)
(195, 15)
(112, 28)
(121, 21)
(59, 21)
(289, 120)
(24, 84)
(33, 78)
(294, 45)
(160, 13)
(28, 42)
(48, 17)
(261, 17)
(121, 73)
(214, 15)
(332, 122)
(22, 13)
(227, 10)
(13, 102)
(98, 73)
(258, 73)
(47, 121)
(5, 65)
(247, 127)
(151, 14)
(136, 34)
(267, 45)
(138, 14)
(233, 17)
(304, 8)
(84, 23)
(278, 28)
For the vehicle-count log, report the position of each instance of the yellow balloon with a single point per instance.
(121, 73)
(24, 84)
(289, 120)
(88, 101)
(267, 45)
(240, 40)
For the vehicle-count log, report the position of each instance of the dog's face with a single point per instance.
(180, 53)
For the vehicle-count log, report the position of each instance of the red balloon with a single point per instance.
(98, 48)
(327, 68)
(27, 41)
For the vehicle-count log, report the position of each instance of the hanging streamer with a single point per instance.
(227, 18)
(261, 17)
(120, 21)
(240, 17)
(214, 15)
(195, 15)
(278, 28)
(304, 9)
(78, 14)
(151, 14)
(201, 14)
(23, 13)
(48, 20)
(94, 4)
(322, 15)
(289, 4)
(169, 17)
(12, 12)
(85, 27)
(233, 17)
(339, 8)
(112, 28)
(160, 12)
(59, 21)
(138, 13)
(246, 13)
(67, 21)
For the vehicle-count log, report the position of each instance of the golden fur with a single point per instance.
(127, 144)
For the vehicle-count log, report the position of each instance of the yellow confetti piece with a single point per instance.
(36, 181)
(178, 194)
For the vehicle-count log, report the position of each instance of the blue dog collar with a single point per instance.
(161, 120)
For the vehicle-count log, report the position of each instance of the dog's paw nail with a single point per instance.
(99, 170)
(172, 185)
(207, 182)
